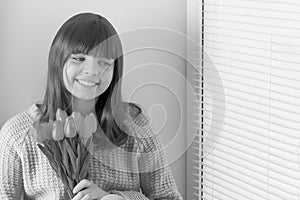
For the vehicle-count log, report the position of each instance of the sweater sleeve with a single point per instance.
(130, 195)
(11, 182)
(156, 179)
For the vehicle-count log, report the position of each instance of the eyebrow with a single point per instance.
(110, 61)
(107, 60)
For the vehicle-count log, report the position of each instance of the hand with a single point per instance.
(87, 190)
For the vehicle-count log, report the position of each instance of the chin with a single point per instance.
(88, 97)
(84, 96)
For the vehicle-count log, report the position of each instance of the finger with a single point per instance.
(87, 197)
(82, 194)
(81, 185)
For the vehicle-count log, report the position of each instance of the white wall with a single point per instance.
(28, 28)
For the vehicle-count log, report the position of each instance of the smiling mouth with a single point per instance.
(86, 83)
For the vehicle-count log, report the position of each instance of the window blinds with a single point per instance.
(251, 107)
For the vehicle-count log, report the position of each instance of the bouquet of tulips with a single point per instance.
(66, 143)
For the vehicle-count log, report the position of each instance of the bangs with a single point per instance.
(95, 39)
(108, 48)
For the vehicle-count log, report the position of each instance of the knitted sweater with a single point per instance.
(136, 171)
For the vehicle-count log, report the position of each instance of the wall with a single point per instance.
(28, 28)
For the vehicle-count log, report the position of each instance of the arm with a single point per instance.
(11, 182)
(156, 179)
(157, 182)
(130, 195)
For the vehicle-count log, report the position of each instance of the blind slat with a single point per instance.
(260, 173)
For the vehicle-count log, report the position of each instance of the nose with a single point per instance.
(91, 68)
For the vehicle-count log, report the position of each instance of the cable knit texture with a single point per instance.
(137, 170)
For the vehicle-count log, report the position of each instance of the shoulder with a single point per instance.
(141, 127)
(14, 131)
(138, 117)
(137, 114)
(133, 109)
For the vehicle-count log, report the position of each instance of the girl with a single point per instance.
(85, 67)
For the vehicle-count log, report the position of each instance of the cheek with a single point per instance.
(69, 73)
(107, 77)
(109, 74)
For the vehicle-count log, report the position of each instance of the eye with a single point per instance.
(78, 59)
(103, 63)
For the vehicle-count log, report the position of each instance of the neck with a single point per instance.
(84, 107)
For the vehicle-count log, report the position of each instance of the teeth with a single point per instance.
(86, 83)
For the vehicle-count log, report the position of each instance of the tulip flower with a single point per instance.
(57, 131)
(70, 129)
(88, 126)
(78, 119)
(61, 115)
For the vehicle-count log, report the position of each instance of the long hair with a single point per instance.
(84, 33)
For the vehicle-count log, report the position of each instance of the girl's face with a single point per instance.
(87, 77)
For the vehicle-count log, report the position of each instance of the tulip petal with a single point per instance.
(61, 115)
(92, 122)
(70, 129)
(77, 120)
(57, 131)
(82, 130)
(89, 126)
